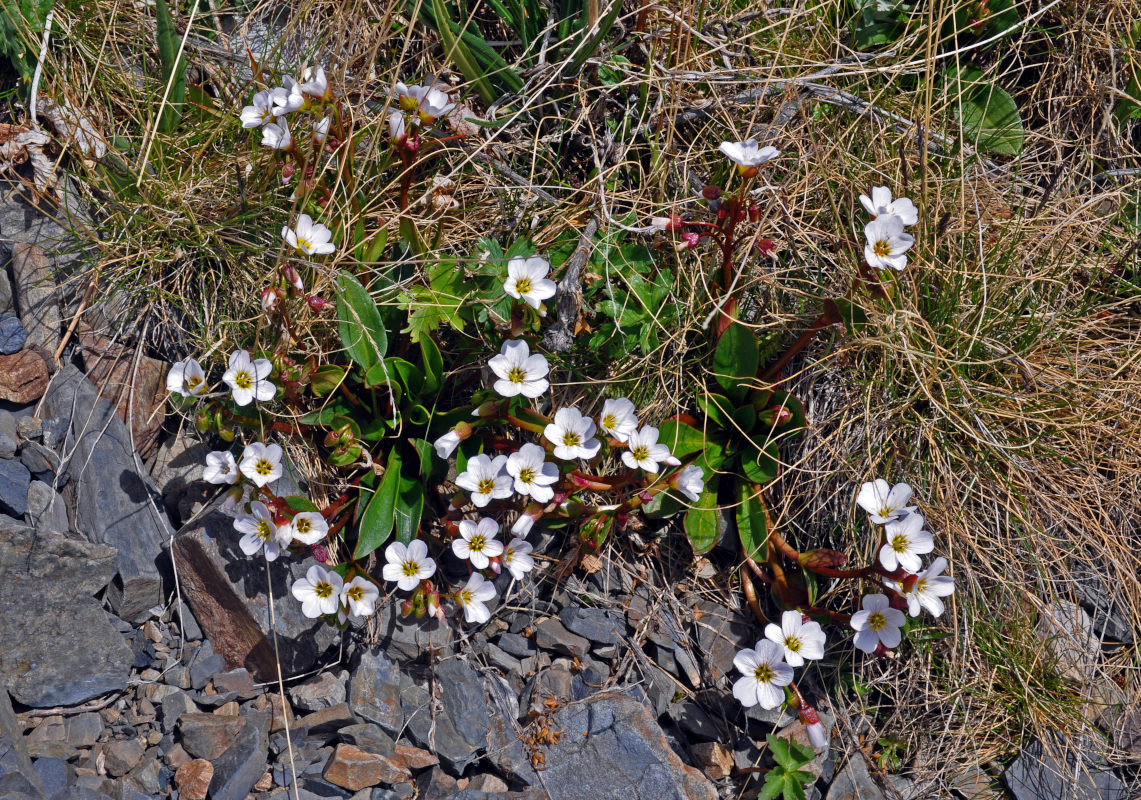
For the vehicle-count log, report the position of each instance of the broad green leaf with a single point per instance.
(751, 526)
(761, 466)
(718, 408)
(433, 365)
(326, 378)
(735, 360)
(774, 785)
(409, 507)
(376, 524)
(680, 438)
(987, 112)
(359, 323)
(703, 521)
(745, 417)
(299, 503)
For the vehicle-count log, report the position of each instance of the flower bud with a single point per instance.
(293, 277)
(320, 553)
(269, 297)
(203, 421)
(316, 303)
(689, 240)
(486, 409)
(754, 212)
(766, 247)
(817, 735)
(287, 170)
(494, 565)
(827, 559)
(711, 192)
(233, 497)
(447, 443)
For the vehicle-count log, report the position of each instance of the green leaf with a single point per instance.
(751, 526)
(735, 361)
(682, 439)
(774, 784)
(172, 64)
(718, 408)
(299, 503)
(409, 507)
(358, 322)
(779, 748)
(793, 788)
(433, 365)
(326, 378)
(988, 113)
(761, 466)
(376, 524)
(703, 521)
(745, 417)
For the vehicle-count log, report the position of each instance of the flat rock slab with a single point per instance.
(227, 591)
(14, 759)
(23, 376)
(114, 504)
(59, 646)
(1058, 772)
(610, 746)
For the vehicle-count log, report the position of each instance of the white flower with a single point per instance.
(691, 482)
(396, 126)
(287, 98)
(877, 622)
(360, 596)
(887, 243)
(247, 379)
(518, 371)
(522, 525)
(260, 112)
(906, 541)
(408, 564)
(259, 531)
(930, 587)
(321, 130)
(276, 135)
(485, 479)
(311, 238)
(817, 735)
(572, 435)
(748, 154)
(527, 280)
(800, 640)
(309, 527)
(765, 672)
(313, 82)
(186, 378)
(884, 503)
(472, 597)
(477, 542)
(261, 463)
(619, 418)
(532, 473)
(428, 101)
(220, 468)
(517, 558)
(447, 444)
(319, 591)
(880, 204)
(644, 451)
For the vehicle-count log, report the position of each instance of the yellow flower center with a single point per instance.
(516, 375)
(609, 422)
(508, 554)
(355, 593)
(477, 543)
(263, 466)
(193, 382)
(411, 569)
(877, 621)
(763, 673)
(264, 531)
(467, 596)
(571, 439)
(792, 643)
(526, 475)
(882, 248)
(408, 103)
(485, 486)
(899, 543)
(244, 380)
(641, 453)
(921, 586)
(323, 589)
(304, 244)
(303, 526)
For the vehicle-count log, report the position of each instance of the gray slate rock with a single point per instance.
(550, 634)
(14, 482)
(854, 783)
(600, 626)
(611, 747)
(59, 646)
(9, 437)
(1069, 635)
(47, 511)
(54, 774)
(226, 590)
(113, 504)
(12, 334)
(36, 297)
(14, 760)
(324, 691)
(374, 691)
(240, 766)
(463, 700)
(1059, 772)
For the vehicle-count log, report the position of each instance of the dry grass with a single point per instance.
(1001, 379)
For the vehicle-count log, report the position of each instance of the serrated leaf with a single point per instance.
(359, 323)
(779, 748)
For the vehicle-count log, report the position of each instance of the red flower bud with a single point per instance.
(320, 553)
(711, 192)
(754, 212)
(316, 303)
(765, 247)
(816, 559)
(691, 240)
(293, 277)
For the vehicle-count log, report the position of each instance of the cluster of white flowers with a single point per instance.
(271, 108)
(877, 623)
(246, 377)
(768, 667)
(323, 591)
(423, 104)
(887, 242)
